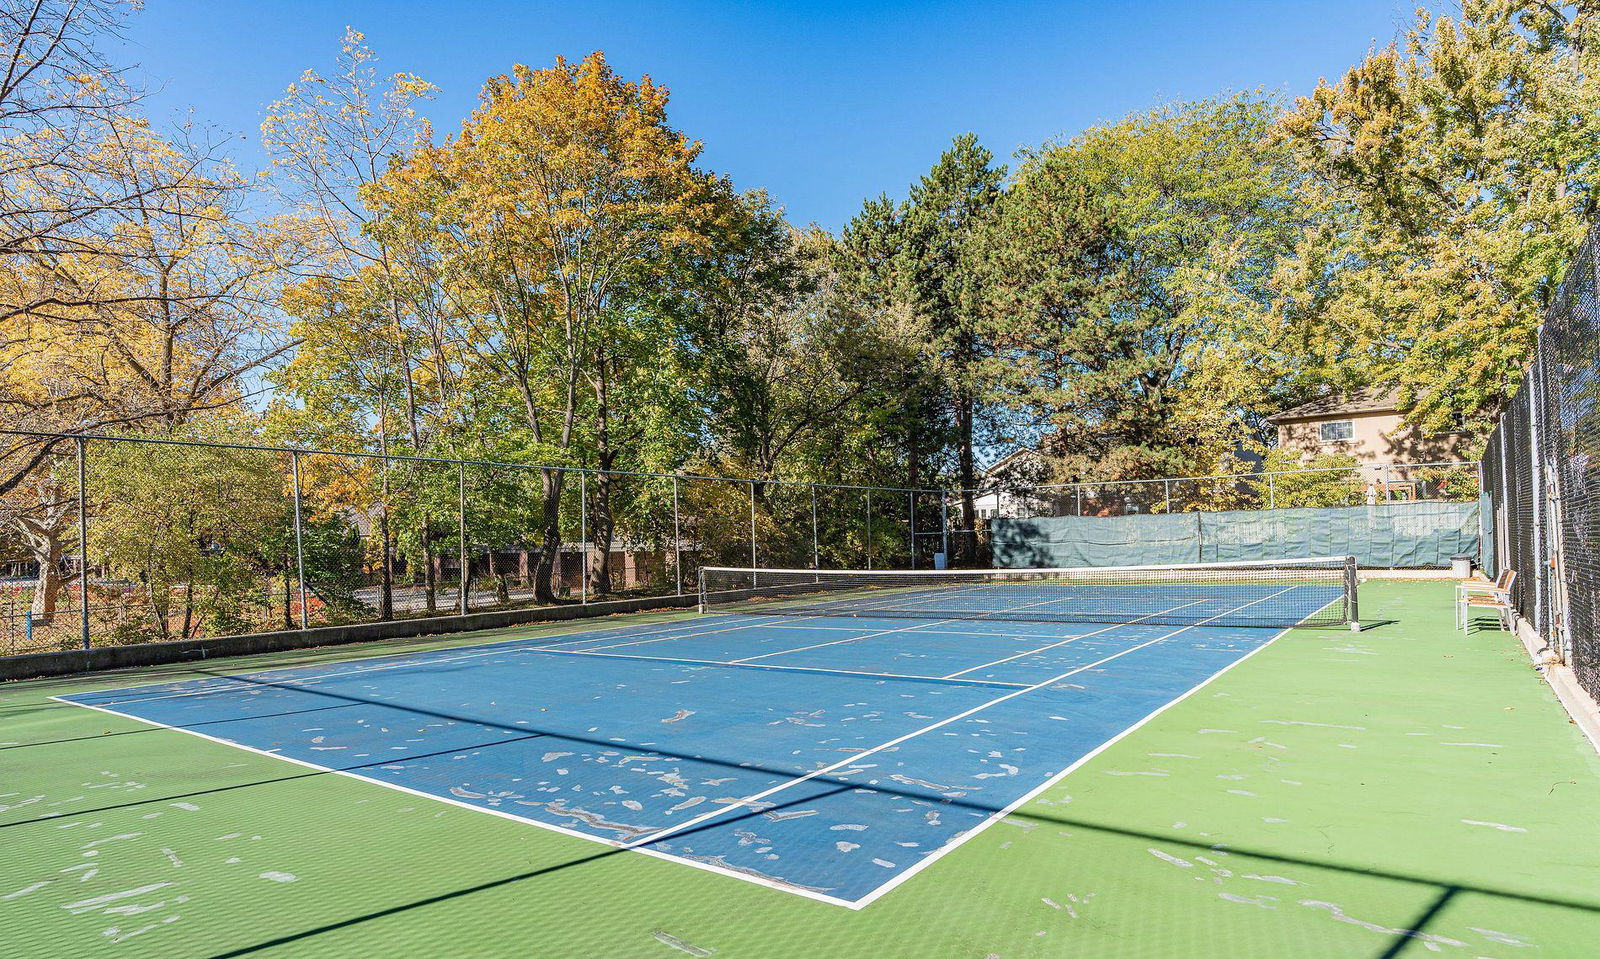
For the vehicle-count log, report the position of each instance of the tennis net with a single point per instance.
(1319, 591)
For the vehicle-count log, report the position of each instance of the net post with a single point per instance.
(83, 547)
(299, 539)
(1351, 582)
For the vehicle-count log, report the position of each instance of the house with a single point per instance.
(1366, 424)
(1008, 483)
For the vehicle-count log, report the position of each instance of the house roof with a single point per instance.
(1342, 404)
(1017, 456)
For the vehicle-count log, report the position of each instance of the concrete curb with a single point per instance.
(1583, 709)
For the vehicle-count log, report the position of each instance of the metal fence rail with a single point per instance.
(1542, 476)
(118, 540)
(113, 540)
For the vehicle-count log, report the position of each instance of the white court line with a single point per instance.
(229, 683)
(528, 821)
(1071, 639)
(740, 624)
(705, 866)
(1038, 790)
(830, 670)
(881, 632)
(855, 758)
(847, 639)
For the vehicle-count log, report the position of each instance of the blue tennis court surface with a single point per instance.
(831, 757)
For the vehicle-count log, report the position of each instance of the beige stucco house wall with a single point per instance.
(1366, 425)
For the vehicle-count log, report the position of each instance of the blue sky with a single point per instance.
(824, 104)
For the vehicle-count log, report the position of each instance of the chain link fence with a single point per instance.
(1352, 485)
(124, 540)
(1542, 476)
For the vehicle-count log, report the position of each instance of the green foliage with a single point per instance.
(1125, 274)
(1448, 176)
(200, 530)
(1331, 479)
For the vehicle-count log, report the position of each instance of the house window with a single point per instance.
(1336, 430)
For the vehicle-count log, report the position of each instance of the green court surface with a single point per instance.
(1403, 791)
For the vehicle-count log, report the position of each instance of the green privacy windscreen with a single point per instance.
(1406, 535)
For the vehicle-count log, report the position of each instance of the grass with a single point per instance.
(1398, 792)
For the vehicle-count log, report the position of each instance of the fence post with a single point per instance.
(461, 527)
(1166, 487)
(1077, 495)
(944, 527)
(1541, 584)
(1272, 491)
(583, 536)
(1385, 482)
(1483, 529)
(299, 539)
(816, 549)
(83, 548)
(911, 499)
(677, 540)
(752, 532)
(869, 528)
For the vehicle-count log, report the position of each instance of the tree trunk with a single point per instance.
(550, 536)
(188, 609)
(601, 524)
(46, 589)
(430, 576)
(42, 533)
(288, 592)
(602, 527)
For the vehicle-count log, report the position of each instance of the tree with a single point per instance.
(944, 211)
(1450, 174)
(564, 190)
(166, 321)
(200, 529)
(1125, 277)
(909, 410)
(366, 320)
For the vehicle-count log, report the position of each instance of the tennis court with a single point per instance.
(749, 783)
(831, 749)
